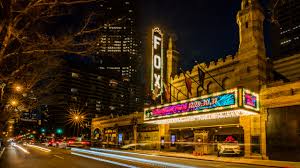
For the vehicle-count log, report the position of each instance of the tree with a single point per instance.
(34, 35)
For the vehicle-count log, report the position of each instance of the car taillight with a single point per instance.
(85, 142)
(70, 142)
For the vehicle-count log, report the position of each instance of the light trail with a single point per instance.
(39, 148)
(104, 160)
(21, 148)
(123, 152)
(1, 153)
(58, 156)
(133, 159)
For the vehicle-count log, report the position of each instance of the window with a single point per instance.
(74, 98)
(246, 25)
(248, 69)
(199, 91)
(208, 88)
(75, 75)
(74, 90)
(225, 83)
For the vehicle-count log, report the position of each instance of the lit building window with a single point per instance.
(74, 90)
(74, 98)
(75, 75)
(285, 42)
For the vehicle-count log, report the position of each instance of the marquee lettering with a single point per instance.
(157, 63)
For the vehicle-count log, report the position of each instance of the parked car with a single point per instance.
(229, 148)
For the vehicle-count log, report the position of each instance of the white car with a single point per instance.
(229, 148)
(61, 144)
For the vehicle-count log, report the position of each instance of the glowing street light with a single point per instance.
(76, 119)
(18, 88)
(14, 102)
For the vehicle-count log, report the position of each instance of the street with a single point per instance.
(15, 157)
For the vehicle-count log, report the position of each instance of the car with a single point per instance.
(86, 143)
(74, 143)
(61, 143)
(78, 143)
(50, 143)
(229, 148)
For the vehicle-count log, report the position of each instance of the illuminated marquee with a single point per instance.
(157, 62)
(234, 102)
(250, 100)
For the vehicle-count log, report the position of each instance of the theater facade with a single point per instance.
(213, 101)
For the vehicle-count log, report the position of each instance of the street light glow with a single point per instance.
(18, 88)
(14, 102)
(76, 118)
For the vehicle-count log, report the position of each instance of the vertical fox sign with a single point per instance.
(157, 63)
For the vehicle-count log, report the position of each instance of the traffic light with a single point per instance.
(59, 131)
(43, 130)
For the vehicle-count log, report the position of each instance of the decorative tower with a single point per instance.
(251, 69)
(172, 60)
(251, 53)
(169, 61)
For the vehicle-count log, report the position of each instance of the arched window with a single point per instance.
(208, 87)
(199, 91)
(225, 83)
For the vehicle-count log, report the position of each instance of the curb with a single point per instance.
(288, 166)
(1, 153)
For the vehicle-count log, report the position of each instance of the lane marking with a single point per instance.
(21, 148)
(104, 160)
(134, 159)
(58, 156)
(2, 152)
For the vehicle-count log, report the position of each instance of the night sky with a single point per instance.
(204, 30)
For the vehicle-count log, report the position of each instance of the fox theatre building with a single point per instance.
(215, 106)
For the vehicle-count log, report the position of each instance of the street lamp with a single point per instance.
(18, 88)
(14, 102)
(76, 119)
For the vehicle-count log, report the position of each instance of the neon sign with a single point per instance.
(238, 99)
(157, 63)
(227, 99)
(250, 100)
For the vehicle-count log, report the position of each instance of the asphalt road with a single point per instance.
(14, 157)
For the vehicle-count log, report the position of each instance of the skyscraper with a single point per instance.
(287, 14)
(118, 43)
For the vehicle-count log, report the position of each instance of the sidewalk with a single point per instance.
(273, 163)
